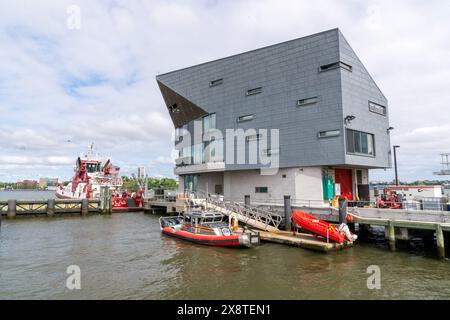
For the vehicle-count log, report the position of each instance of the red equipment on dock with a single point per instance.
(315, 225)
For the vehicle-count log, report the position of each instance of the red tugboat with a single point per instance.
(207, 228)
(91, 175)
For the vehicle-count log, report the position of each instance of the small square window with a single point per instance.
(335, 65)
(377, 108)
(245, 118)
(261, 189)
(284, 176)
(307, 101)
(329, 134)
(253, 91)
(216, 82)
(253, 137)
(270, 152)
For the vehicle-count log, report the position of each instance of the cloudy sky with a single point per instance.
(62, 87)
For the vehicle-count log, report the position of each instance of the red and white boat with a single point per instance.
(91, 174)
(207, 228)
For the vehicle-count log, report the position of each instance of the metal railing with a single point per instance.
(426, 204)
(251, 213)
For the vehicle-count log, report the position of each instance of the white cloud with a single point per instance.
(97, 83)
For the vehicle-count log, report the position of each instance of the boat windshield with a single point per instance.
(211, 220)
(203, 217)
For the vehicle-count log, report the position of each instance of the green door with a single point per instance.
(328, 188)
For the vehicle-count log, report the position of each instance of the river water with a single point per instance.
(124, 256)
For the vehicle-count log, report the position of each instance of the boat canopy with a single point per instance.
(204, 216)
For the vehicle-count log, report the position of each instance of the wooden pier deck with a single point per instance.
(302, 240)
(395, 224)
(50, 208)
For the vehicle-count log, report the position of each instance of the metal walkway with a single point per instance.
(249, 215)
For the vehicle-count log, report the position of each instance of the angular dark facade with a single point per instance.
(332, 118)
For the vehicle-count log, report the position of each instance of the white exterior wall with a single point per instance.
(309, 185)
(304, 183)
(415, 193)
(299, 183)
(209, 181)
(243, 182)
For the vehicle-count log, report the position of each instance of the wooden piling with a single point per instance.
(84, 207)
(51, 207)
(342, 209)
(391, 236)
(440, 242)
(108, 201)
(11, 213)
(287, 213)
(103, 204)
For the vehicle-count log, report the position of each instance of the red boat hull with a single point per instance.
(320, 227)
(218, 241)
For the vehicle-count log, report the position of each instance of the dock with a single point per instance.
(268, 222)
(164, 206)
(303, 240)
(400, 223)
(52, 207)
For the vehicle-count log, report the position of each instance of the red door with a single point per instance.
(344, 178)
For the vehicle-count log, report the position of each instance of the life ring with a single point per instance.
(226, 232)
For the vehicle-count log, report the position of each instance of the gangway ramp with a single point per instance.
(249, 215)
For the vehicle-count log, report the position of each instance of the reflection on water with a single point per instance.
(124, 256)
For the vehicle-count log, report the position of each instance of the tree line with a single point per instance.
(128, 184)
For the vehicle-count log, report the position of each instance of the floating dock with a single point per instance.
(303, 240)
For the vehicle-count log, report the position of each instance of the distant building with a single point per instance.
(141, 172)
(332, 119)
(47, 182)
(27, 184)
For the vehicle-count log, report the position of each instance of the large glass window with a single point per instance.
(186, 152)
(209, 122)
(190, 182)
(198, 153)
(213, 151)
(360, 142)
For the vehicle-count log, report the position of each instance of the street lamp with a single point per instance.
(388, 130)
(395, 164)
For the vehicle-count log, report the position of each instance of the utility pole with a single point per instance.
(395, 164)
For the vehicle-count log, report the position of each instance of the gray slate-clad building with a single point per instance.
(331, 117)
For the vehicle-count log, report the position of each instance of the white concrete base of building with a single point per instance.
(301, 184)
